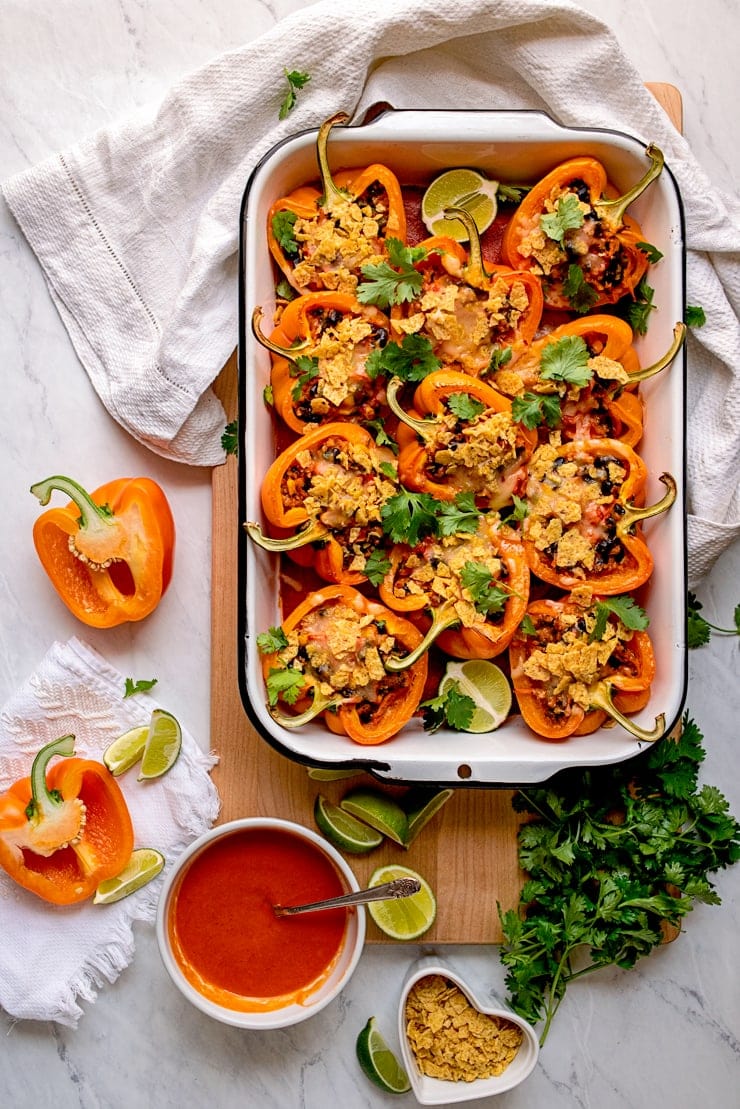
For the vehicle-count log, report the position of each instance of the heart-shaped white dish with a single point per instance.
(437, 1091)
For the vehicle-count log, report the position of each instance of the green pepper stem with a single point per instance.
(330, 190)
(311, 533)
(613, 210)
(444, 617)
(679, 335)
(633, 515)
(44, 800)
(423, 428)
(282, 352)
(317, 706)
(94, 518)
(475, 271)
(601, 698)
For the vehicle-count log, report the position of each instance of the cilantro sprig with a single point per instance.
(568, 215)
(283, 228)
(602, 851)
(286, 683)
(395, 281)
(625, 609)
(453, 708)
(296, 80)
(411, 360)
(700, 630)
(566, 360)
(488, 596)
(143, 685)
(579, 293)
(272, 640)
(534, 409)
(230, 438)
(408, 517)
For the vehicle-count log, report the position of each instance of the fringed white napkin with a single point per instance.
(52, 957)
(136, 228)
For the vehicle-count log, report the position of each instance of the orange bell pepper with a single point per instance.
(337, 644)
(319, 349)
(569, 683)
(469, 310)
(64, 832)
(109, 553)
(486, 453)
(572, 231)
(331, 485)
(320, 237)
(584, 513)
(476, 586)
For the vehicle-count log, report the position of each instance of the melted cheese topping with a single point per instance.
(335, 244)
(482, 456)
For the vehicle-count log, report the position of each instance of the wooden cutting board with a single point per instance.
(467, 852)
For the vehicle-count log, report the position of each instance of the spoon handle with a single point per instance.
(399, 887)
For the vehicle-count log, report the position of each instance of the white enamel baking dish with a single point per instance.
(508, 146)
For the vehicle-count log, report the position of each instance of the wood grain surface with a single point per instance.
(468, 850)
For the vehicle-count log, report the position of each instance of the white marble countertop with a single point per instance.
(666, 1031)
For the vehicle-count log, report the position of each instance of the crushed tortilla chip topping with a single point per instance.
(451, 1039)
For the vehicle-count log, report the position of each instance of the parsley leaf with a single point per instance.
(653, 254)
(408, 516)
(453, 707)
(580, 294)
(377, 565)
(533, 409)
(141, 686)
(296, 80)
(488, 597)
(699, 630)
(695, 316)
(638, 312)
(271, 641)
(464, 406)
(286, 683)
(230, 438)
(283, 224)
(412, 360)
(395, 281)
(625, 609)
(568, 214)
(566, 360)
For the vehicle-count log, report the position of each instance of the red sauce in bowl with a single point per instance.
(224, 935)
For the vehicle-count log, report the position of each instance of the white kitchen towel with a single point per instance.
(136, 228)
(52, 957)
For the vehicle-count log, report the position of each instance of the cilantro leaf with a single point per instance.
(395, 281)
(695, 315)
(533, 409)
(488, 597)
(625, 609)
(464, 406)
(566, 360)
(230, 437)
(653, 254)
(143, 685)
(638, 312)
(453, 707)
(389, 471)
(283, 226)
(284, 290)
(296, 80)
(699, 630)
(462, 514)
(268, 396)
(307, 368)
(412, 360)
(568, 214)
(381, 436)
(285, 683)
(500, 356)
(517, 511)
(408, 516)
(377, 565)
(271, 641)
(527, 627)
(579, 293)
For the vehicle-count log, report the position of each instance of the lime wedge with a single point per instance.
(403, 918)
(163, 744)
(488, 686)
(420, 805)
(343, 830)
(322, 774)
(123, 752)
(145, 863)
(379, 811)
(459, 188)
(378, 1061)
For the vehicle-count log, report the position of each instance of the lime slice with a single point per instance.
(379, 811)
(420, 805)
(488, 686)
(343, 830)
(378, 1061)
(320, 774)
(123, 752)
(145, 863)
(403, 918)
(459, 188)
(163, 744)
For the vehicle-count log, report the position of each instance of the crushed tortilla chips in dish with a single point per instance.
(451, 1039)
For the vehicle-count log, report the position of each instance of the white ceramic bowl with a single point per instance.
(437, 1091)
(295, 1011)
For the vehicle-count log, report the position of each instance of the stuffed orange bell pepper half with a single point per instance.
(64, 831)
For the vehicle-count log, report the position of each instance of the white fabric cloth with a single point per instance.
(136, 228)
(52, 957)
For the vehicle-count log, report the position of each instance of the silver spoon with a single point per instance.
(399, 887)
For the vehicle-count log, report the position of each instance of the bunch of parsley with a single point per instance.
(613, 854)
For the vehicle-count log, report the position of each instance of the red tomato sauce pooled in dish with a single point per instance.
(225, 936)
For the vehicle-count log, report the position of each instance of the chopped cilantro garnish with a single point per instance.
(306, 368)
(286, 683)
(695, 315)
(625, 609)
(381, 436)
(143, 685)
(568, 214)
(488, 597)
(230, 437)
(395, 281)
(462, 514)
(580, 294)
(464, 406)
(566, 360)
(700, 630)
(273, 640)
(296, 80)
(452, 707)
(408, 516)
(638, 311)
(653, 254)
(527, 626)
(533, 409)
(283, 224)
(499, 358)
(377, 565)
(412, 360)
